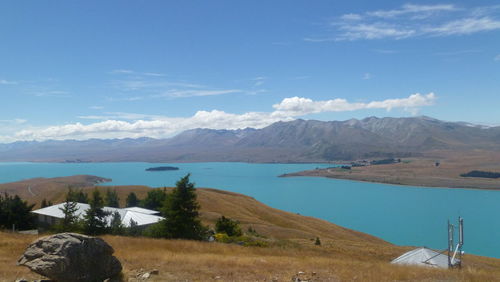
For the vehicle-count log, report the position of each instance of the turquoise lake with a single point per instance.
(402, 215)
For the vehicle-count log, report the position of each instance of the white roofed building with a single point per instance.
(143, 217)
(424, 257)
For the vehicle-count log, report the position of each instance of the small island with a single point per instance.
(162, 168)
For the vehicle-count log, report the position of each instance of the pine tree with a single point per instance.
(15, 212)
(133, 229)
(181, 212)
(82, 197)
(112, 199)
(116, 225)
(69, 222)
(154, 199)
(77, 196)
(44, 204)
(95, 216)
(132, 200)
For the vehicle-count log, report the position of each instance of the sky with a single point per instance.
(119, 69)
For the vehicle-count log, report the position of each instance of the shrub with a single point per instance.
(228, 226)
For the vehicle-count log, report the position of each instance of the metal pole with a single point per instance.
(461, 238)
(450, 245)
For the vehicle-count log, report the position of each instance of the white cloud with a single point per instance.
(385, 51)
(53, 93)
(374, 31)
(259, 81)
(121, 125)
(96, 107)
(297, 106)
(412, 21)
(7, 82)
(152, 128)
(464, 26)
(13, 121)
(456, 53)
(420, 10)
(136, 73)
(174, 93)
(155, 85)
(367, 76)
(497, 58)
(123, 116)
(351, 17)
(122, 71)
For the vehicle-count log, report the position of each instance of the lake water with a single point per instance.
(399, 214)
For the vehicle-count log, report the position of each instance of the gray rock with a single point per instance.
(71, 257)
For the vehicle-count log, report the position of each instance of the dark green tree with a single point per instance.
(154, 199)
(70, 221)
(95, 216)
(181, 212)
(228, 226)
(77, 196)
(82, 197)
(132, 200)
(133, 229)
(16, 213)
(45, 203)
(111, 199)
(116, 226)
(317, 242)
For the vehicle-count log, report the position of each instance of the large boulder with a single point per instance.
(71, 257)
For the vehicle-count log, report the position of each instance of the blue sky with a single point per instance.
(114, 69)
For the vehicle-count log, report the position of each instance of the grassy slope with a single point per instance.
(344, 255)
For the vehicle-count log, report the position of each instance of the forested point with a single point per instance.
(483, 174)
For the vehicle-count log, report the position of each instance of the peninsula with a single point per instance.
(447, 170)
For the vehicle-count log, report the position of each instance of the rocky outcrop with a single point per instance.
(71, 257)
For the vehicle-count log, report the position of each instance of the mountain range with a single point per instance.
(293, 141)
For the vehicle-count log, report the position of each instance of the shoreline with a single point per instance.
(390, 183)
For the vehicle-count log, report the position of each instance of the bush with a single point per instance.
(242, 240)
(228, 226)
(156, 230)
(317, 242)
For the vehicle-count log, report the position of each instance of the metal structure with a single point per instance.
(453, 251)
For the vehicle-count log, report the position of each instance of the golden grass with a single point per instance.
(179, 260)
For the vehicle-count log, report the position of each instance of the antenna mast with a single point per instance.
(458, 249)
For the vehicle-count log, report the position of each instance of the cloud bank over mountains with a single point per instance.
(127, 125)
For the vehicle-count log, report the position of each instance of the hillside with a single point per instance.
(344, 254)
(294, 141)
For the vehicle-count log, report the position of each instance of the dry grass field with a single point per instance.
(344, 255)
(179, 260)
(424, 172)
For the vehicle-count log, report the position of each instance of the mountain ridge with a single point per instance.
(293, 141)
